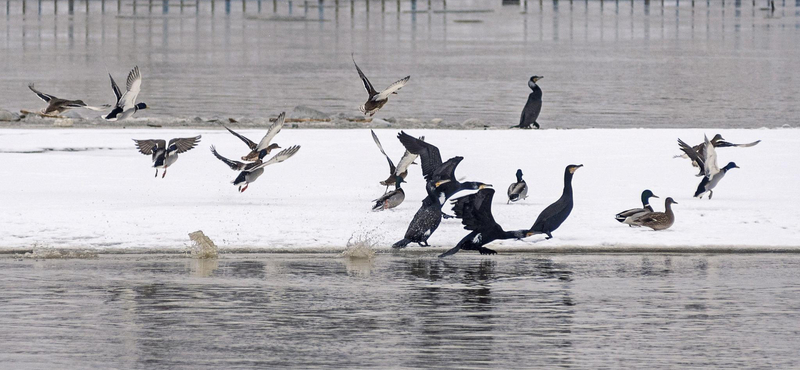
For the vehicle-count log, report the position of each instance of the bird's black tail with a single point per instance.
(451, 251)
(401, 244)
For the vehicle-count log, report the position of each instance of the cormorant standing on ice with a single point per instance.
(552, 216)
(533, 107)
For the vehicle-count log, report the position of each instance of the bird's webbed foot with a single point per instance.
(549, 236)
(710, 194)
(446, 216)
(484, 250)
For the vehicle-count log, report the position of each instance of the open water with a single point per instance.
(611, 63)
(510, 311)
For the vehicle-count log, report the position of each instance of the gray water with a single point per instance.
(403, 311)
(606, 63)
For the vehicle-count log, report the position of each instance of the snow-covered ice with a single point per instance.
(107, 198)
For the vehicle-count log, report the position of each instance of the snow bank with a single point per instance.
(90, 188)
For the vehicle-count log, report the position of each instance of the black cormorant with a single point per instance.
(517, 190)
(377, 99)
(533, 107)
(626, 217)
(552, 216)
(475, 212)
(164, 155)
(712, 174)
(263, 145)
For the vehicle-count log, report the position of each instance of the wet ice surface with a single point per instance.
(404, 311)
(606, 64)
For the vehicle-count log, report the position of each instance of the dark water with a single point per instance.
(606, 63)
(318, 311)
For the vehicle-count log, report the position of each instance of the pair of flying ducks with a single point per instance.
(125, 102)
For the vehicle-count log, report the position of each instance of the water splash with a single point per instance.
(202, 247)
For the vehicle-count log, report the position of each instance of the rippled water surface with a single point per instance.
(322, 311)
(605, 63)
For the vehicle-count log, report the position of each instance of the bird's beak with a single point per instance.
(484, 186)
(575, 168)
(674, 202)
(654, 196)
(439, 183)
(737, 166)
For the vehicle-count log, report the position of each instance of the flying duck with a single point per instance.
(440, 185)
(402, 167)
(126, 104)
(627, 217)
(165, 155)
(517, 190)
(251, 171)
(57, 105)
(475, 212)
(533, 107)
(377, 99)
(658, 220)
(391, 199)
(264, 144)
(716, 142)
(555, 214)
(712, 174)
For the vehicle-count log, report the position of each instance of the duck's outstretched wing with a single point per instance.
(250, 144)
(181, 145)
(693, 155)
(41, 95)
(710, 160)
(431, 159)
(234, 165)
(133, 86)
(273, 130)
(115, 88)
(367, 85)
(148, 146)
(725, 144)
(280, 157)
(392, 168)
(392, 89)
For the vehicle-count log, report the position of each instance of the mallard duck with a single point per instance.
(57, 105)
(712, 174)
(517, 190)
(264, 144)
(533, 107)
(126, 104)
(165, 155)
(717, 142)
(251, 171)
(475, 212)
(627, 217)
(377, 99)
(658, 220)
(391, 199)
(554, 215)
(401, 170)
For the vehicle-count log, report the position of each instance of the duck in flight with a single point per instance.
(391, 199)
(711, 172)
(263, 145)
(555, 214)
(251, 171)
(402, 167)
(377, 99)
(126, 104)
(475, 212)
(530, 113)
(165, 155)
(717, 142)
(56, 106)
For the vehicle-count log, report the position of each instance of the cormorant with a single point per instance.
(402, 167)
(165, 155)
(126, 104)
(264, 144)
(552, 216)
(57, 105)
(377, 99)
(251, 171)
(658, 220)
(517, 190)
(627, 217)
(391, 199)
(712, 174)
(475, 212)
(533, 107)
